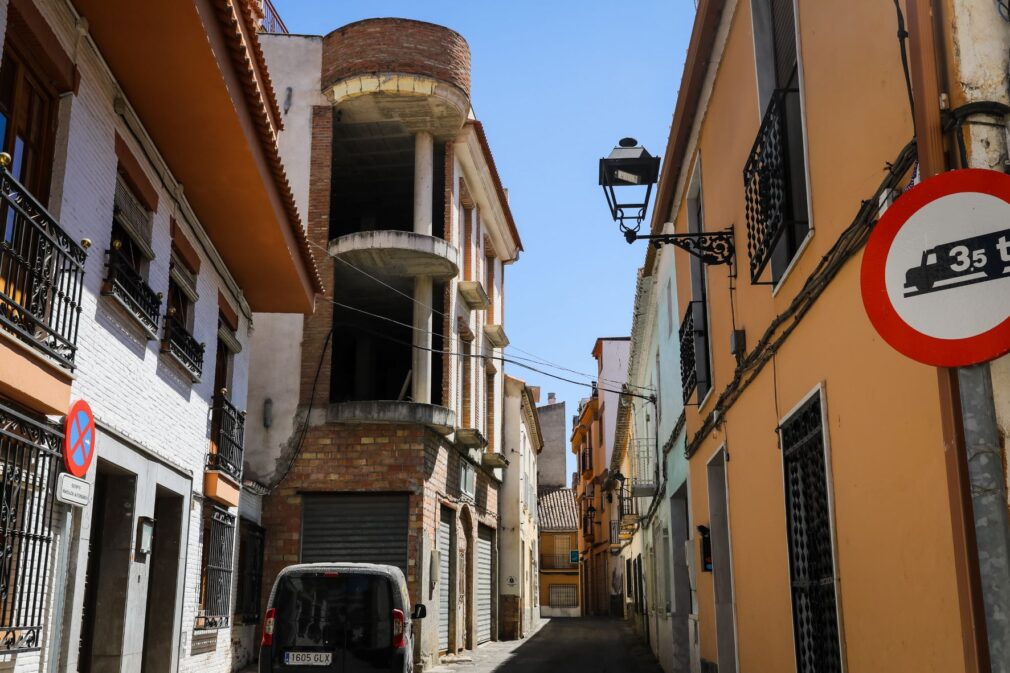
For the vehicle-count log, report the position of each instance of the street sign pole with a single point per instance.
(925, 61)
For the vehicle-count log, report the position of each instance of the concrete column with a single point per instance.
(424, 156)
(421, 378)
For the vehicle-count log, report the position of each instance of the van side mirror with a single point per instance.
(420, 612)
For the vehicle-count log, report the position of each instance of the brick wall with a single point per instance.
(317, 223)
(396, 45)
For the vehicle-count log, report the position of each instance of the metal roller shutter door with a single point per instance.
(359, 527)
(485, 574)
(444, 554)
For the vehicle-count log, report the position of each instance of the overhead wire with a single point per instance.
(534, 357)
(499, 358)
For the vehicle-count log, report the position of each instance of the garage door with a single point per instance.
(358, 527)
(485, 575)
(445, 553)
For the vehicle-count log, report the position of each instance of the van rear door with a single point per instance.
(330, 622)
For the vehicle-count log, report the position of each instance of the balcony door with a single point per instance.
(27, 122)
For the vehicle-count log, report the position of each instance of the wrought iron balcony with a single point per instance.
(629, 508)
(688, 365)
(124, 284)
(181, 345)
(228, 437)
(557, 562)
(41, 274)
(272, 22)
(773, 180)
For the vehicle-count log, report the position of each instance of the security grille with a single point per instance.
(29, 455)
(485, 583)
(563, 596)
(218, 543)
(445, 552)
(815, 616)
(694, 354)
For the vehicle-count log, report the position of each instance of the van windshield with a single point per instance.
(335, 612)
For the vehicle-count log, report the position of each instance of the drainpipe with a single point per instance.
(975, 479)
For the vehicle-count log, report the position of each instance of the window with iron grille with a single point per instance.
(129, 257)
(775, 172)
(695, 359)
(29, 466)
(250, 573)
(563, 596)
(811, 549)
(215, 584)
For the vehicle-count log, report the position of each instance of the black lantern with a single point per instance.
(631, 165)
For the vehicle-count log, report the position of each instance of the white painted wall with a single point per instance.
(613, 368)
(294, 62)
(136, 392)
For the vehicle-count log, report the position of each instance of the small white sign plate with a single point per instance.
(73, 491)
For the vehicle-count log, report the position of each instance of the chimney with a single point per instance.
(551, 399)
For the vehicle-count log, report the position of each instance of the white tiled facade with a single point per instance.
(137, 393)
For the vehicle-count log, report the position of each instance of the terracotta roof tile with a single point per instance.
(557, 508)
(265, 113)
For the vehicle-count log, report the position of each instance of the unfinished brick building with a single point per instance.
(377, 419)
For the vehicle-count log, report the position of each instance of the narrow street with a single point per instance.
(573, 645)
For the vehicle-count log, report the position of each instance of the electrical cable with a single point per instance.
(498, 358)
(308, 414)
(902, 42)
(535, 358)
(851, 240)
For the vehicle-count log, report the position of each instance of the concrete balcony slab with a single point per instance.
(439, 419)
(474, 295)
(398, 253)
(496, 335)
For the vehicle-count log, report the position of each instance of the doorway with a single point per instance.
(108, 570)
(161, 582)
(681, 600)
(722, 566)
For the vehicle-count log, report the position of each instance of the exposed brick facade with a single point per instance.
(317, 325)
(396, 45)
(370, 458)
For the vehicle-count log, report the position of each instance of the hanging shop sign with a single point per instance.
(79, 439)
(936, 270)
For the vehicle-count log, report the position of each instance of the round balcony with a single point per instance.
(440, 419)
(397, 253)
(398, 69)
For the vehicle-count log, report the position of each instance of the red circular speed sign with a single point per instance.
(936, 271)
(79, 439)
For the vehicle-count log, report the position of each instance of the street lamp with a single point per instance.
(631, 165)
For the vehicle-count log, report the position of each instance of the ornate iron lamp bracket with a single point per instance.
(711, 247)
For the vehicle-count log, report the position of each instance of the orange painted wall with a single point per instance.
(893, 539)
(31, 380)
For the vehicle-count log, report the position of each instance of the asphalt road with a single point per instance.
(578, 645)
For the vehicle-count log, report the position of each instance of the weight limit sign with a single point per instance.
(935, 277)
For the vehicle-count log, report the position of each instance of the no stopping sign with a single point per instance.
(935, 277)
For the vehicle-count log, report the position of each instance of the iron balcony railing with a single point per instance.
(688, 365)
(228, 435)
(272, 22)
(181, 345)
(768, 179)
(128, 287)
(629, 507)
(41, 273)
(558, 562)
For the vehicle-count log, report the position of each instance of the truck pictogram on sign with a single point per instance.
(958, 263)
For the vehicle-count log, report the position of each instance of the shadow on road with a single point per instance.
(575, 645)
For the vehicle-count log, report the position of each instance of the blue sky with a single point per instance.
(556, 83)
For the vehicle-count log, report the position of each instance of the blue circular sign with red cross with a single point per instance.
(79, 439)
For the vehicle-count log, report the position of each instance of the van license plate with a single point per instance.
(308, 658)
